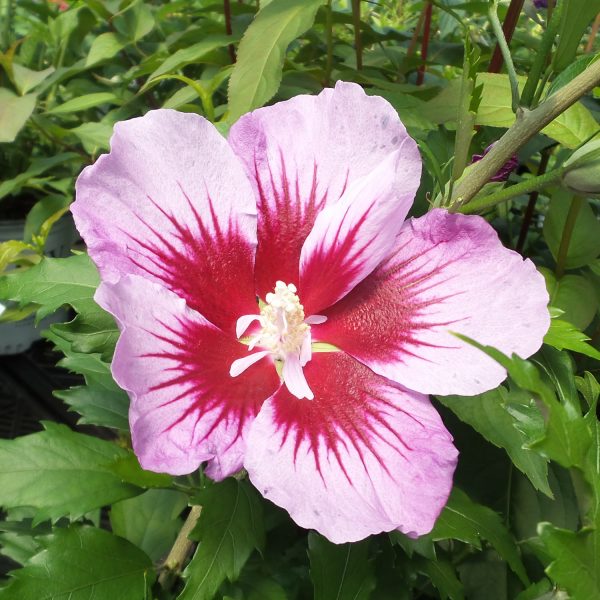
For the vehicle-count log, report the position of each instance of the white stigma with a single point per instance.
(284, 334)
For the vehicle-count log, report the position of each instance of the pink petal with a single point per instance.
(171, 202)
(351, 237)
(449, 273)
(364, 456)
(185, 408)
(302, 154)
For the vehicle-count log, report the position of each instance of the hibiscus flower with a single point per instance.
(278, 314)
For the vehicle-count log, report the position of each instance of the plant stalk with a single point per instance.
(180, 551)
(425, 43)
(533, 183)
(541, 58)
(228, 28)
(565, 241)
(533, 196)
(329, 38)
(501, 40)
(357, 35)
(508, 28)
(527, 124)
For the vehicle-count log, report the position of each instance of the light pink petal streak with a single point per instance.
(449, 273)
(302, 154)
(364, 456)
(351, 237)
(172, 203)
(185, 408)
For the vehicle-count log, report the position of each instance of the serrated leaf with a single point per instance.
(229, 529)
(465, 520)
(150, 521)
(341, 571)
(576, 564)
(60, 473)
(80, 563)
(564, 336)
(488, 414)
(257, 72)
(53, 283)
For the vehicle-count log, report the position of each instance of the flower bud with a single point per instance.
(583, 171)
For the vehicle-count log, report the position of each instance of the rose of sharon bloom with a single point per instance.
(277, 314)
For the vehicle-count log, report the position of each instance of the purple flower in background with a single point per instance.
(504, 172)
(541, 3)
(319, 389)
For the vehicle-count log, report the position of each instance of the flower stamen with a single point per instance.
(284, 334)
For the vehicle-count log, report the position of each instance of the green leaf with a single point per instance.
(575, 19)
(60, 473)
(230, 527)
(150, 521)
(85, 102)
(26, 79)
(443, 576)
(190, 55)
(465, 520)
(584, 246)
(257, 72)
(105, 46)
(80, 563)
(37, 167)
(93, 136)
(571, 128)
(576, 564)
(567, 438)
(574, 295)
(341, 571)
(564, 336)
(14, 112)
(489, 415)
(53, 283)
(92, 332)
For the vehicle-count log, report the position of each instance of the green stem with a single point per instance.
(510, 67)
(181, 549)
(527, 124)
(357, 34)
(541, 58)
(565, 241)
(529, 185)
(329, 37)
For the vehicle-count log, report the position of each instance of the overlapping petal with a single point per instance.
(172, 203)
(303, 154)
(448, 273)
(185, 408)
(351, 237)
(364, 456)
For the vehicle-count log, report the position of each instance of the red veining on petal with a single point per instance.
(348, 412)
(384, 314)
(285, 219)
(210, 266)
(333, 265)
(199, 357)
